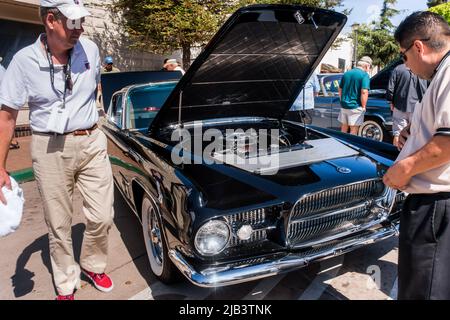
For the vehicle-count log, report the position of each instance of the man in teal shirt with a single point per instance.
(354, 92)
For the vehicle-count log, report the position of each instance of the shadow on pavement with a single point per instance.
(22, 280)
(131, 233)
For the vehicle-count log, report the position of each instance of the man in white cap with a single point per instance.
(354, 93)
(57, 76)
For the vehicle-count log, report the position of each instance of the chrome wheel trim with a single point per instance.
(372, 130)
(152, 237)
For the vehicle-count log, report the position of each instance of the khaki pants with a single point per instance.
(60, 163)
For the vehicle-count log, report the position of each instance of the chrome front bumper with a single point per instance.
(224, 276)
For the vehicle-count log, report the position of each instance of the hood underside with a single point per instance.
(254, 66)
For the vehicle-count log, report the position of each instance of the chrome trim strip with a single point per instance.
(223, 276)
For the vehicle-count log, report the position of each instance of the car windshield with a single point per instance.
(145, 102)
(331, 83)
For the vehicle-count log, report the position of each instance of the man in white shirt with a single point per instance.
(57, 77)
(423, 167)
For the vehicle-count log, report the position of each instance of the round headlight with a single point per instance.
(212, 237)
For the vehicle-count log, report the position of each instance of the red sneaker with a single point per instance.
(100, 280)
(68, 297)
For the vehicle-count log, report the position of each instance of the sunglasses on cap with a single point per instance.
(403, 54)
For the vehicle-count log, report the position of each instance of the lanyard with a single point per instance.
(67, 72)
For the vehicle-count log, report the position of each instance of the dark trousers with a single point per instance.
(303, 116)
(424, 247)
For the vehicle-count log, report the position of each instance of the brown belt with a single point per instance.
(84, 132)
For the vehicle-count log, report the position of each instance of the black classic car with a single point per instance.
(226, 190)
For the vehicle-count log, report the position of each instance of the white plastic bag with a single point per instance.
(11, 214)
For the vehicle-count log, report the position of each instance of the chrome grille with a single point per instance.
(308, 229)
(257, 235)
(336, 198)
(255, 218)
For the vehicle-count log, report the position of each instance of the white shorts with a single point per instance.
(351, 117)
(400, 120)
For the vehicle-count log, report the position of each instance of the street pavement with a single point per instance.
(367, 273)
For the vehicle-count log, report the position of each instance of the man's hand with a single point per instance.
(8, 118)
(392, 107)
(4, 181)
(399, 175)
(404, 134)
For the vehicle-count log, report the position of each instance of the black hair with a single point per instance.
(426, 26)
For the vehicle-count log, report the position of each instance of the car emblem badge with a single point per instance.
(343, 170)
(298, 16)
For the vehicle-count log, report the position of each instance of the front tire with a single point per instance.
(371, 129)
(155, 243)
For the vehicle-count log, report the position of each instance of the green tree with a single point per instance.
(376, 39)
(163, 26)
(443, 10)
(432, 3)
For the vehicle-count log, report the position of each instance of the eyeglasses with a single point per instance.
(403, 54)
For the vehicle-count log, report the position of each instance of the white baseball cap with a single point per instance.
(71, 9)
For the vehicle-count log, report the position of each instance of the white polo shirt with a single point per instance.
(27, 79)
(431, 117)
(2, 73)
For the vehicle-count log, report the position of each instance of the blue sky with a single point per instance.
(365, 10)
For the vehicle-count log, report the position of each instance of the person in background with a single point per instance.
(108, 65)
(304, 103)
(172, 65)
(404, 90)
(179, 68)
(422, 169)
(57, 76)
(354, 93)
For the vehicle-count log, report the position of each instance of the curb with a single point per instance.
(24, 175)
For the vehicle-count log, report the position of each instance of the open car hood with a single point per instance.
(254, 66)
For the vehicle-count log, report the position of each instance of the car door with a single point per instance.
(118, 149)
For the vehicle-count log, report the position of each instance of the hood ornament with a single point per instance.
(343, 170)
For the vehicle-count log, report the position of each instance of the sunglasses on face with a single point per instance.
(403, 54)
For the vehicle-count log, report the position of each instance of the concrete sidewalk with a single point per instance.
(25, 265)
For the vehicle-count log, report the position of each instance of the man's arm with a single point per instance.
(340, 93)
(433, 155)
(364, 98)
(8, 118)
